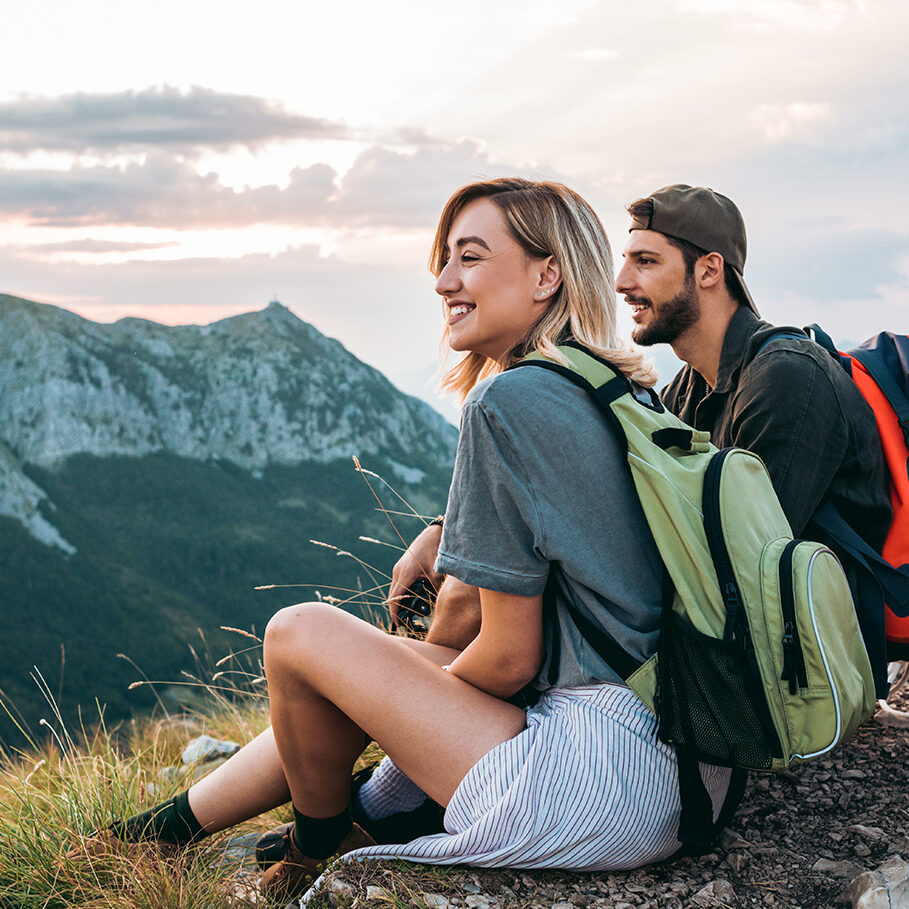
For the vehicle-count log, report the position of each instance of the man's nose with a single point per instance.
(623, 279)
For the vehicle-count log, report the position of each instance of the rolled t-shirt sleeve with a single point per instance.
(492, 532)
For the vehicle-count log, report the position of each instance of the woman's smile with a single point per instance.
(458, 309)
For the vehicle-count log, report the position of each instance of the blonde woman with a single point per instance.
(541, 509)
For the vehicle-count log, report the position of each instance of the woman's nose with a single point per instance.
(448, 280)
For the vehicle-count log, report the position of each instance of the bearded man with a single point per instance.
(748, 383)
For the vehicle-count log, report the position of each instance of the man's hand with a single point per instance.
(417, 562)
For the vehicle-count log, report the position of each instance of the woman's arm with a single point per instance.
(508, 651)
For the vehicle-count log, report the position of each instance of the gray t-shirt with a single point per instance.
(540, 487)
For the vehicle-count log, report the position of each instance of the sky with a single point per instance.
(186, 161)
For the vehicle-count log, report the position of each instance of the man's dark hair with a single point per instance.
(641, 211)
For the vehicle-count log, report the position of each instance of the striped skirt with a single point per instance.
(587, 785)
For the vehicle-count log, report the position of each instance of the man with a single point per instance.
(782, 397)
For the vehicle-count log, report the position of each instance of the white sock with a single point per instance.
(389, 791)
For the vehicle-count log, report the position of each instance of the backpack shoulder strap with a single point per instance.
(820, 337)
(886, 358)
(782, 333)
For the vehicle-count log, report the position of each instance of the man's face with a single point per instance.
(654, 282)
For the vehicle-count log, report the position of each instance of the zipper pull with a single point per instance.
(789, 673)
(732, 603)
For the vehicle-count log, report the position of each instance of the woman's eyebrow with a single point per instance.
(463, 241)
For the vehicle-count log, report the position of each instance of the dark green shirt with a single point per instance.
(792, 404)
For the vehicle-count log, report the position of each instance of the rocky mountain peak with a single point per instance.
(255, 389)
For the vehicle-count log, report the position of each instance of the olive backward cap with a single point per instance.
(705, 218)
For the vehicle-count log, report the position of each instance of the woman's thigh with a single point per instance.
(433, 725)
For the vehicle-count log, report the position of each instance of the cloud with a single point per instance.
(806, 15)
(184, 122)
(97, 247)
(162, 191)
(408, 189)
(779, 122)
(390, 187)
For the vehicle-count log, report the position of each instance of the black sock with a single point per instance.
(172, 822)
(319, 837)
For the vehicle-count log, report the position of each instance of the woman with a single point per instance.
(540, 501)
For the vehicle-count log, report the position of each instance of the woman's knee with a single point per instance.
(296, 626)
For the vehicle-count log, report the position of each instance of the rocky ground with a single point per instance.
(799, 840)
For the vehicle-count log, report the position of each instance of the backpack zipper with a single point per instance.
(713, 528)
(793, 658)
(732, 600)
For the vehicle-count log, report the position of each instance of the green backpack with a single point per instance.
(761, 663)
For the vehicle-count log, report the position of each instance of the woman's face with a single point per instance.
(493, 293)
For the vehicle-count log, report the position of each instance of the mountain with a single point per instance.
(152, 476)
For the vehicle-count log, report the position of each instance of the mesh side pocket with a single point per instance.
(709, 702)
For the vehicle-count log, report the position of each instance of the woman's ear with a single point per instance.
(549, 278)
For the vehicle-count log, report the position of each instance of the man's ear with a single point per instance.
(549, 278)
(709, 270)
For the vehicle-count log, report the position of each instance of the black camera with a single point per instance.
(415, 608)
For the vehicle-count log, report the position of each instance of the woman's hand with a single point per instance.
(417, 562)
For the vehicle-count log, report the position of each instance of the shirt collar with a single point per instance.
(743, 326)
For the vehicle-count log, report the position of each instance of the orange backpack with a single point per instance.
(880, 369)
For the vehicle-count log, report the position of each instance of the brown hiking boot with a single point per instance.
(291, 876)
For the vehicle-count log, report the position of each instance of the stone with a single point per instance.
(239, 848)
(378, 894)
(737, 861)
(868, 833)
(480, 901)
(436, 901)
(887, 887)
(731, 840)
(868, 891)
(339, 886)
(715, 893)
(837, 869)
(205, 748)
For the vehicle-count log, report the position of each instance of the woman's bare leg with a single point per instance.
(380, 675)
(248, 784)
(331, 676)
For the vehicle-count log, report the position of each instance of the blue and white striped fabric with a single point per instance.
(587, 785)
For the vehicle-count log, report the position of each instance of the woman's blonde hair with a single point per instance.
(548, 219)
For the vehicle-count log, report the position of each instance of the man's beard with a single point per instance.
(669, 319)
